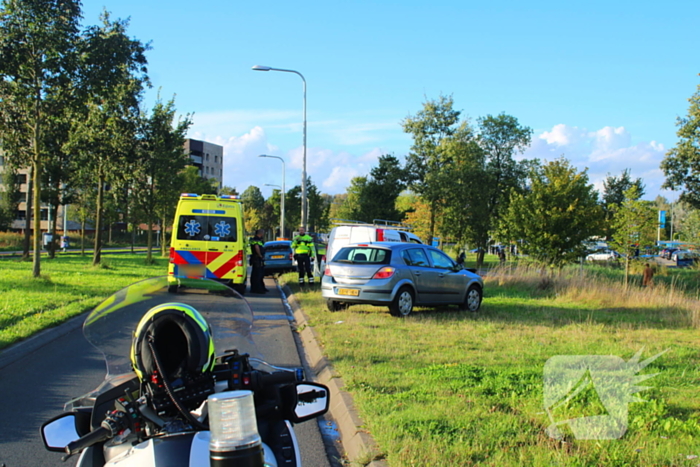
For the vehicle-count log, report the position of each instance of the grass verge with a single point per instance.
(69, 285)
(444, 387)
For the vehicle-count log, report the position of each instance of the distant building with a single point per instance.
(19, 223)
(208, 158)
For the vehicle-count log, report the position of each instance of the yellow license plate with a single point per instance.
(353, 292)
(277, 256)
(191, 271)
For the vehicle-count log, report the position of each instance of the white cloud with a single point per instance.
(339, 177)
(329, 170)
(240, 121)
(604, 152)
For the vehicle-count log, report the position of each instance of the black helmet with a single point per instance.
(180, 336)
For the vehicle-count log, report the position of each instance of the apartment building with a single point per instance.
(19, 222)
(208, 158)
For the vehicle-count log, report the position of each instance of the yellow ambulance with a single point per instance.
(208, 240)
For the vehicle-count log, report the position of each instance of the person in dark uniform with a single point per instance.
(257, 261)
(303, 246)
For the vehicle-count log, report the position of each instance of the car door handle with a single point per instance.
(442, 274)
(417, 273)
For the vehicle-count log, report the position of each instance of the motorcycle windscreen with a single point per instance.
(110, 326)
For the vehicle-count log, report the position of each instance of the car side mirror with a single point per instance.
(59, 431)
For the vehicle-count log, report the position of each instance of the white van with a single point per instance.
(357, 232)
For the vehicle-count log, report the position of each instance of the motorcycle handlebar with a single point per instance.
(264, 380)
(95, 436)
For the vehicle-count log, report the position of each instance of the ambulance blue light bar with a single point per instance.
(188, 195)
(229, 197)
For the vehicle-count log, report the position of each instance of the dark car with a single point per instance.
(399, 276)
(666, 253)
(279, 257)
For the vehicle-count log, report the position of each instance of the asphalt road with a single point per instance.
(36, 385)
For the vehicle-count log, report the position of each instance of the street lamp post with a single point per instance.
(283, 192)
(304, 207)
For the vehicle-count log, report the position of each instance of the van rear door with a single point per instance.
(207, 236)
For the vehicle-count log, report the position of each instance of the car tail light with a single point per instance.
(327, 271)
(380, 235)
(291, 256)
(238, 259)
(172, 255)
(384, 273)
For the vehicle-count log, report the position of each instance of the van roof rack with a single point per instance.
(396, 225)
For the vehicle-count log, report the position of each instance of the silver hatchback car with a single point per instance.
(400, 276)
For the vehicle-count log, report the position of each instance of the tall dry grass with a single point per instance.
(666, 300)
(11, 240)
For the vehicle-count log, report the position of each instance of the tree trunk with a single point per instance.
(149, 243)
(163, 237)
(28, 217)
(97, 254)
(133, 236)
(480, 256)
(432, 222)
(82, 236)
(36, 176)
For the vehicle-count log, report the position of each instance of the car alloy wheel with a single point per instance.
(472, 301)
(403, 303)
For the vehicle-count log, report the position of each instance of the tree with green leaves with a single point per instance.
(318, 220)
(386, 182)
(228, 190)
(555, 216)
(38, 41)
(104, 137)
(682, 163)
(466, 216)
(426, 163)
(501, 138)
(634, 224)
(614, 189)
(9, 194)
(690, 226)
(253, 206)
(161, 158)
(351, 207)
(192, 182)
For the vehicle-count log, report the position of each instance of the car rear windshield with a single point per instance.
(207, 228)
(363, 255)
(277, 247)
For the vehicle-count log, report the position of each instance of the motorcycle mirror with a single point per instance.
(59, 431)
(313, 400)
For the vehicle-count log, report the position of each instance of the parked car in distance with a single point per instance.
(279, 257)
(604, 255)
(690, 256)
(399, 276)
(666, 253)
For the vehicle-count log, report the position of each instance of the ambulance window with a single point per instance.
(203, 228)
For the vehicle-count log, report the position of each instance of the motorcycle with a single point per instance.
(220, 404)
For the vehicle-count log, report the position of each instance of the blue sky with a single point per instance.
(599, 82)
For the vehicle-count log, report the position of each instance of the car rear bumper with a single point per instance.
(381, 294)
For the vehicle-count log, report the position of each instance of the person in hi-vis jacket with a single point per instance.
(303, 246)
